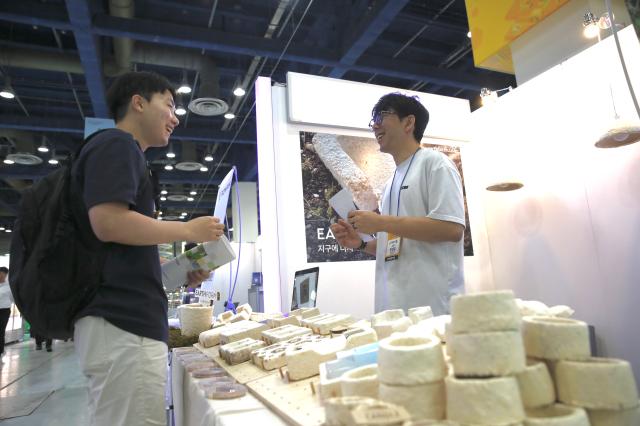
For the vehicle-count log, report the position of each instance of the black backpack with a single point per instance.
(56, 260)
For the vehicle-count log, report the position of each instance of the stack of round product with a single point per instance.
(484, 335)
(486, 348)
(411, 371)
(605, 387)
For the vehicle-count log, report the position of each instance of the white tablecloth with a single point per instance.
(192, 408)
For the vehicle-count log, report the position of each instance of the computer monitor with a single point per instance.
(305, 288)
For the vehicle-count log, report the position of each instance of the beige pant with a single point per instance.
(127, 374)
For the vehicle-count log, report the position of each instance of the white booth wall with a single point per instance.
(220, 277)
(320, 104)
(572, 234)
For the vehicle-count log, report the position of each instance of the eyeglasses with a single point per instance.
(376, 120)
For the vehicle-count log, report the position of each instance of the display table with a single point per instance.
(192, 408)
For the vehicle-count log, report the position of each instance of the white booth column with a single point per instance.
(247, 213)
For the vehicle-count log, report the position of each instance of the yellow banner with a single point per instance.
(494, 24)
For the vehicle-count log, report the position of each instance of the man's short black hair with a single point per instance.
(143, 83)
(4, 269)
(404, 106)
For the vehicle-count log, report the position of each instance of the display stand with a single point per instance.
(295, 402)
(242, 373)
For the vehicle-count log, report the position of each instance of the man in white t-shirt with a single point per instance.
(420, 227)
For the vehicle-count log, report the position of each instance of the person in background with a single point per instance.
(419, 247)
(40, 339)
(6, 299)
(121, 336)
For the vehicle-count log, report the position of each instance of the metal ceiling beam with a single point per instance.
(38, 172)
(367, 33)
(89, 51)
(195, 134)
(201, 38)
(35, 13)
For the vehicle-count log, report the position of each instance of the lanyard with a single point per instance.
(401, 183)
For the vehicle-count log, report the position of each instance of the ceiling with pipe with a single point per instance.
(59, 57)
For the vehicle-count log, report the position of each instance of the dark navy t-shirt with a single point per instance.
(112, 168)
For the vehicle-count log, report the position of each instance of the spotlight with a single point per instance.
(168, 167)
(204, 169)
(180, 110)
(208, 157)
(7, 91)
(239, 91)
(229, 116)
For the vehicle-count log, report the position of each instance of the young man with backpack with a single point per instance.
(121, 335)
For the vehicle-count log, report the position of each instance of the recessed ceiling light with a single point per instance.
(193, 193)
(208, 157)
(180, 110)
(164, 192)
(53, 161)
(229, 116)
(7, 230)
(43, 148)
(163, 198)
(204, 169)
(7, 161)
(168, 167)
(2, 228)
(183, 214)
(171, 154)
(189, 198)
(239, 91)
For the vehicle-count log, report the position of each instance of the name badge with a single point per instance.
(394, 244)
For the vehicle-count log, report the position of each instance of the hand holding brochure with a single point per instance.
(343, 203)
(210, 255)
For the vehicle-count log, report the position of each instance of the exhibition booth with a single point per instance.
(568, 237)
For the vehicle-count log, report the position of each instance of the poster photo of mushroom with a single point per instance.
(332, 162)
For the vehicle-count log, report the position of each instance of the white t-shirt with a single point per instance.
(425, 273)
(6, 298)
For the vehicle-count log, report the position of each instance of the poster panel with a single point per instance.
(333, 162)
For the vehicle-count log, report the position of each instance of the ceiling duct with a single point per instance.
(206, 101)
(122, 47)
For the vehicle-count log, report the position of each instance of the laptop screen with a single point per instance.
(305, 288)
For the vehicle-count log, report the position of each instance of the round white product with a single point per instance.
(491, 311)
(338, 410)
(425, 401)
(420, 313)
(386, 316)
(556, 338)
(410, 360)
(194, 319)
(494, 401)
(536, 386)
(556, 415)
(629, 417)
(597, 383)
(494, 353)
(361, 381)
(387, 328)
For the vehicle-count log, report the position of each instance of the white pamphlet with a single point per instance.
(222, 200)
(343, 203)
(207, 256)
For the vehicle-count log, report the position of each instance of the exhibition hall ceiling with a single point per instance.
(59, 56)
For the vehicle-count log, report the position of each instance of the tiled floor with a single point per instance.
(25, 372)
